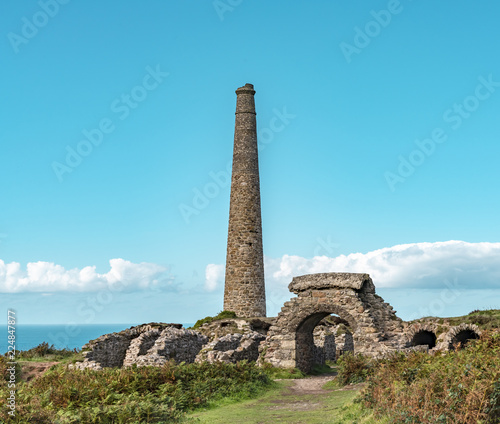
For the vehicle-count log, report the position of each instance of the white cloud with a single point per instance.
(48, 277)
(214, 276)
(416, 265)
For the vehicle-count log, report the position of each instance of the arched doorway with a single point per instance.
(461, 339)
(332, 338)
(308, 351)
(424, 337)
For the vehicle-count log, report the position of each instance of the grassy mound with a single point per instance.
(220, 315)
(485, 320)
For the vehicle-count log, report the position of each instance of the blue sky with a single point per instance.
(353, 86)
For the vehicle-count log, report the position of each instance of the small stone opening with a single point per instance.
(461, 339)
(424, 337)
(148, 343)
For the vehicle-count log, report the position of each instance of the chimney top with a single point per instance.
(247, 88)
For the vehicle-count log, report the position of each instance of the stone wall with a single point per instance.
(325, 348)
(148, 344)
(232, 348)
(229, 340)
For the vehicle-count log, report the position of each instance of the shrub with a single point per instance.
(43, 350)
(458, 387)
(132, 395)
(281, 373)
(353, 368)
(220, 315)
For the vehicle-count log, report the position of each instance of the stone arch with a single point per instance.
(422, 335)
(352, 297)
(310, 317)
(461, 335)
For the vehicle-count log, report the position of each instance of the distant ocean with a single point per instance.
(61, 336)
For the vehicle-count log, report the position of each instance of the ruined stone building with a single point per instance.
(331, 313)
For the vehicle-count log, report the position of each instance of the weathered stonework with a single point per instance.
(375, 327)
(325, 348)
(244, 291)
(438, 334)
(229, 340)
(223, 327)
(148, 344)
(232, 348)
(303, 334)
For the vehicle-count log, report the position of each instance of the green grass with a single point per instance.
(322, 369)
(133, 395)
(282, 373)
(45, 353)
(354, 413)
(279, 406)
(220, 315)
(485, 320)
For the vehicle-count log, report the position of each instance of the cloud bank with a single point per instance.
(48, 277)
(416, 265)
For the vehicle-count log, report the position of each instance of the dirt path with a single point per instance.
(311, 385)
(304, 394)
(297, 401)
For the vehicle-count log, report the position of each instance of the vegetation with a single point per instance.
(488, 319)
(322, 369)
(485, 320)
(146, 395)
(462, 386)
(220, 315)
(44, 352)
(282, 373)
(354, 369)
(282, 405)
(353, 412)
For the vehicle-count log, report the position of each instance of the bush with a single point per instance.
(281, 373)
(462, 386)
(353, 368)
(43, 350)
(141, 394)
(220, 315)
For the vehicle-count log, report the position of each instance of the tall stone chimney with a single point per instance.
(244, 291)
